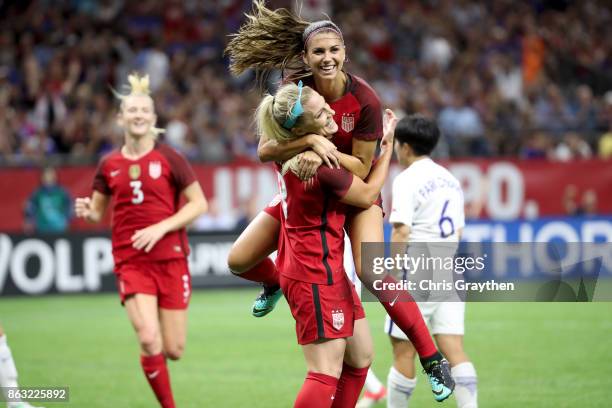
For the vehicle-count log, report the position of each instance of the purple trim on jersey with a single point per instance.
(182, 173)
(369, 127)
(100, 184)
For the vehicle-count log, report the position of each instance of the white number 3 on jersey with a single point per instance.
(137, 191)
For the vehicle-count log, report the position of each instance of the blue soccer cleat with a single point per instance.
(442, 383)
(266, 301)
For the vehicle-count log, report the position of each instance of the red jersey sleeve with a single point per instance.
(182, 173)
(100, 184)
(335, 182)
(370, 124)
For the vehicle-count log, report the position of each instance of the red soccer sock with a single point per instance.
(264, 272)
(156, 371)
(317, 391)
(404, 312)
(349, 386)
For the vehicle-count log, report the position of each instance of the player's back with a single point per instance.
(431, 199)
(311, 244)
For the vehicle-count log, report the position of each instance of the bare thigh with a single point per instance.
(255, 243)
(365, 226)
(325, 357)
(143, 314)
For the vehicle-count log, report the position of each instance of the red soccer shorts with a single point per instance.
(274, 207)
(322, 311)
(169, 280)
(358, 309)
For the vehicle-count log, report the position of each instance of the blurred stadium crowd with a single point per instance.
(504, 78)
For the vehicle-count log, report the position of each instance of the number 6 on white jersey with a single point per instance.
(445, 219)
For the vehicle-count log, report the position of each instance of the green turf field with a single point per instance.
(527, 355)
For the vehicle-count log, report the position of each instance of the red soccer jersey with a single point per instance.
(358, 113)
(311, 242)
(144, 192)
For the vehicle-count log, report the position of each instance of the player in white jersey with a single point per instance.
(427, 210)
(8, 375)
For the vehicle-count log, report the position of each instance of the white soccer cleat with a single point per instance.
(369, 399)
(21, 405)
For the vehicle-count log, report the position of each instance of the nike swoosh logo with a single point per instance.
(114, 173)
(438, 392)
(153, 374)
(394, 300)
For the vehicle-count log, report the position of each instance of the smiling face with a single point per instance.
(137, 115)
(321, 116)
(325, 54)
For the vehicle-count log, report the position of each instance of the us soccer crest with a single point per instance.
(337, 319)
(155, 169)
(134, 171)
(348, 122)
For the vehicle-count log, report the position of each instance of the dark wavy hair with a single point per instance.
(273, 39)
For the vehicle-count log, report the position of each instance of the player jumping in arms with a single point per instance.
(277, 39)
(330, 321)
(427, 208)
(145, 181)
(8, 373)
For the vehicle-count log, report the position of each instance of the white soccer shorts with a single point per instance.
(440, 317)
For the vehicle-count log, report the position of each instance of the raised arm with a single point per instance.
(364, 193)
(360, 161)
(271, 150)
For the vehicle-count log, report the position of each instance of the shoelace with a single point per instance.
(435, 373)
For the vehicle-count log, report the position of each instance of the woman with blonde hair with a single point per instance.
(330, 321)
(144, 181)
(315, 52)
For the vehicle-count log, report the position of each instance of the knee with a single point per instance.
(236, 262)
(149, 340)
(365, 357)
(175, 351)
(334, 370)
(331, 367)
